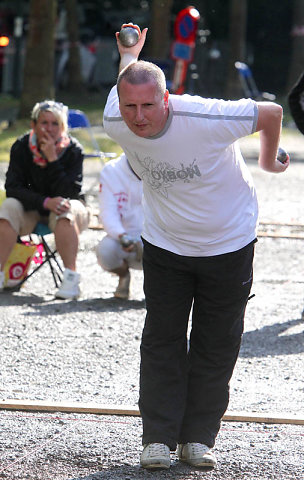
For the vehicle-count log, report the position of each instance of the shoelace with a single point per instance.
(199, 449)
(157, 449)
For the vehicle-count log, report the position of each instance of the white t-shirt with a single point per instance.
(199, 197)
(120, 199)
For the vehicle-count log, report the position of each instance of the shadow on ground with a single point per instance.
(278, 339)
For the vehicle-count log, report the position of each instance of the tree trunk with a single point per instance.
(75, 82)
(160, 29)
(237, 46)
(297, 33)
(40, 51)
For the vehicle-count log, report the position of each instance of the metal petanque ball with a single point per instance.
(282, 155)
(128, 36)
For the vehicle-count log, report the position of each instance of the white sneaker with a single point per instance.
(69, 287)
(2, 280)
(155, 455)
(123, 288)
(196, 454)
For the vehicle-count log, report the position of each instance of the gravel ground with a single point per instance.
(88, 351)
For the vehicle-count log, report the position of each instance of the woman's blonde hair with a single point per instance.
(59, 110)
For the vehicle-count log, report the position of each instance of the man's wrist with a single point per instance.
(126, 59)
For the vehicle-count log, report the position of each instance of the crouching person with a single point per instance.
(43, 184)
(120, 202)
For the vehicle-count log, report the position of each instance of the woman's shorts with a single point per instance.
(24, 222)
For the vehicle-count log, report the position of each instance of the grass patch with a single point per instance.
(8, 135)
(2, 196)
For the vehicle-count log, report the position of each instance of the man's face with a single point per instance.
(143, 108)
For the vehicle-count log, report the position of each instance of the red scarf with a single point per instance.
(61, 144)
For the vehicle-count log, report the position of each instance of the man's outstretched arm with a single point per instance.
(269, 126)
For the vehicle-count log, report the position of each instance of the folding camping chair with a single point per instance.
(249, 85)
(44, 255)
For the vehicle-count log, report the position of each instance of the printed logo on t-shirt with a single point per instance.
(160, 176)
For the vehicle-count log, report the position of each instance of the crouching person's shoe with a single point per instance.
(69, 287)
(196, 455)
(155, 455)
(123, 288)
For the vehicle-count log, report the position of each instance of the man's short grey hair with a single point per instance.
(59, 110)
(137, 73)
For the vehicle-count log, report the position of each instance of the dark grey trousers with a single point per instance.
(184, 386)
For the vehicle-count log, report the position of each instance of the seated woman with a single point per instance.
(43, 184)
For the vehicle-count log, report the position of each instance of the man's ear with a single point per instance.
(166, 98)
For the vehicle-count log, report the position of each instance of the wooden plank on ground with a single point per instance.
(294, 236)
(263, 418)
(127, 410)
(72, 407)
(282, 224)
